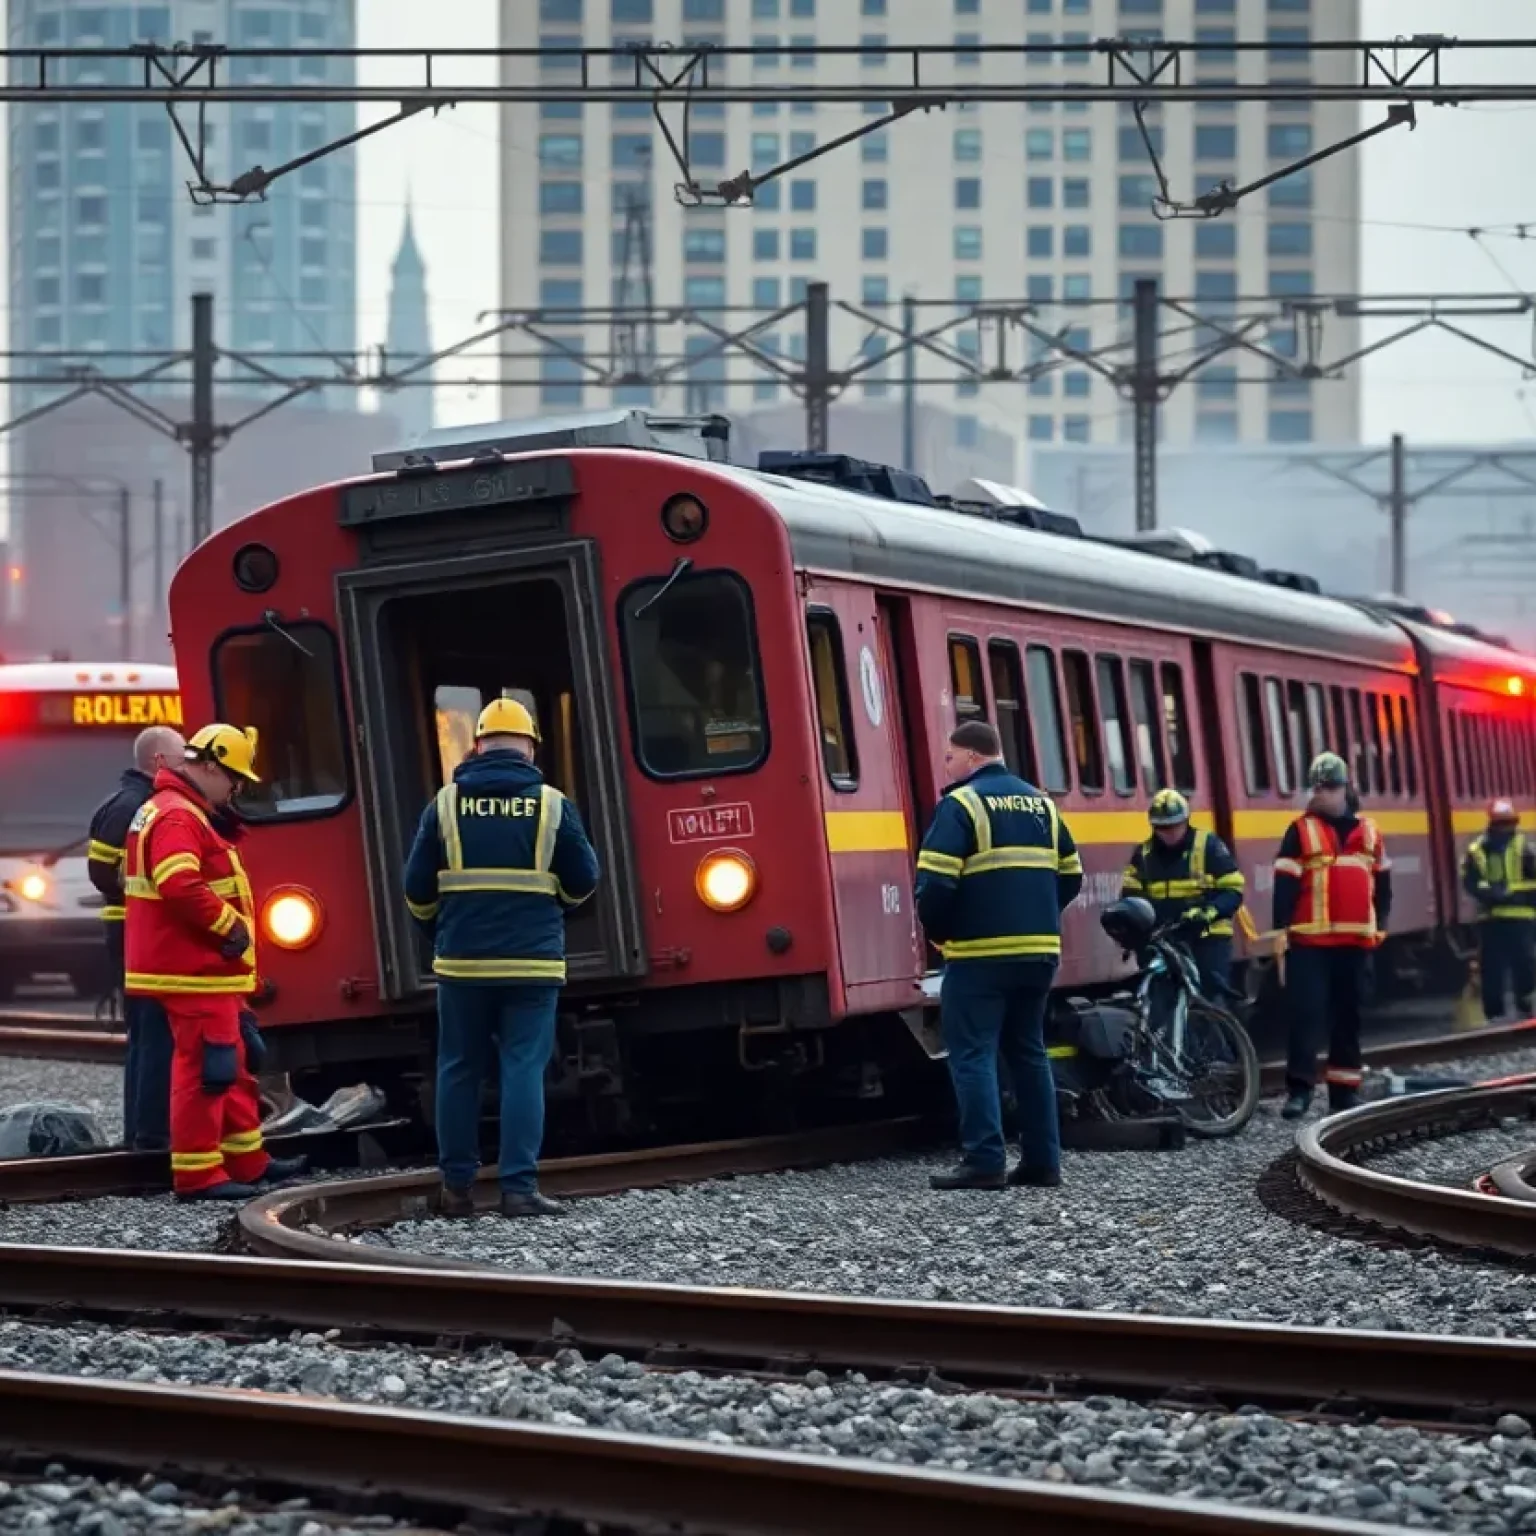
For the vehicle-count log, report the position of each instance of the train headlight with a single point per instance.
(33, 885)
(291, 918)
(726, 881)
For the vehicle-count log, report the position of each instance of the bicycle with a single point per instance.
(1178, 1049)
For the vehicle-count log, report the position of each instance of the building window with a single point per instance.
(1293, 191)
(1290, 285)
(875, 148)
(205, 250)
(802, 196)
(90, 209)
(802, 245)
(765, 292)
(1039, 144)
(767, 197)
(1141, 240)
(1076, 240)
(1218, 286)
(560, 247)
(1290, 426)
(1042, 429)
(1289, 45)
(1289, 141)
(630, 151)
(560, 197)
(966, 44)
(1214, 45)
(1138, 191)
(968, 192)
(631, 11)
(876, 194)
(562, 150)
(704, 245)
(1076, 385)
(1289, 240)
(876, 244)
(967, 144)
(1215, 426)
(1215, 241)
(968, 289)
(874, 55)
(1132, 146)
(1077, 144)
(1039, 288)
(1075, 192)
(704, 292)
(1215, 141)
(872, 7)
(1040, 192)
(967, 242)
(874, 290)
(765, 244)
(765, 151)
(1218, 383)
(707, 149)
(1040, 242)
(703, 10)
(1077, 286)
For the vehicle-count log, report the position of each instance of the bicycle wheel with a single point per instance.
(1221, 1071)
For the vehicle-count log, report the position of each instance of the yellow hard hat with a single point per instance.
(1168, 809)
(228, 746)
(506, 717)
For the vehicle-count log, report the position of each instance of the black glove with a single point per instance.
(220, 1068)
(255, 1046)
(236, 942)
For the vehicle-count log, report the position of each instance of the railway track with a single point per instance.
(623, 1482)
(1496, 1217)
(48, 1036)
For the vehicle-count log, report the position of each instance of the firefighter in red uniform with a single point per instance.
(1333, 893)
(190, 945)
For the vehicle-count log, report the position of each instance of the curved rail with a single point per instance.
(1515, 1177)
(622, 1481)
(1014, 1348)
(1465, 1217)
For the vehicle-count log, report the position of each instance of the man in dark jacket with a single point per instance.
(147, 1065)
(997, 869)
(499, 858)
(1499, 873)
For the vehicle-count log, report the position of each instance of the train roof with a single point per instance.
(844, 532)
(1469, 659)
(103, 676)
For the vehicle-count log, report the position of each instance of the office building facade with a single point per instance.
(1045, 203)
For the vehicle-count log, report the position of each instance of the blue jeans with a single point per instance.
(517, 1023)
(998, 1006)
(146, 1075)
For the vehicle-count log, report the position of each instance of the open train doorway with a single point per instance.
(432, 643)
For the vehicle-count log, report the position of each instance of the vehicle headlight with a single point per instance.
(726, 880)
(291, 918)
(33, 885)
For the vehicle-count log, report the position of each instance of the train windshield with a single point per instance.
(60, 756)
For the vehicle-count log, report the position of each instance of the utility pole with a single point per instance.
(201, 433)
(817, 367)
(157, 599)
(1144, 392)
(909, 385)
(125, 570)
(1397, 516)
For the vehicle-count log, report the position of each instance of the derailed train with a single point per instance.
(745, 679)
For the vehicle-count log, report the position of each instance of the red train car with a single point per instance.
(745, 680)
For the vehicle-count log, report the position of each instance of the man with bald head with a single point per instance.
(147, 1070)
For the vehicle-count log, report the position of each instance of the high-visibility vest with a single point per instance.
(1180, 892)
(1506, 871)
(1337, 905)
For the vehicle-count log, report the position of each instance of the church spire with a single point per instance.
(410, 333)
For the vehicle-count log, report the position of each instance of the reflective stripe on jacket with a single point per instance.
(1197, 875)
(1336, 905)
(186, 888)
(996, 869)
(108, 838)
(1501, 878)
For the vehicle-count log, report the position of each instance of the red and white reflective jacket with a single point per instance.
(185, 889)
(1336, 903)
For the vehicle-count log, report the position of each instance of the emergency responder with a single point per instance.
(147, 1065)
(1333, 894)
(1499, 873)
(996, 870)
(498, 859)
(190, 945)
(1189, 876)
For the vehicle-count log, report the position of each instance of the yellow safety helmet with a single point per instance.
(506, 717)
(229, 747)
(1168, 808)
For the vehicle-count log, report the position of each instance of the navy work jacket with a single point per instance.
(997, 869)
(498, 859)
(1196, 876)
(104, 855)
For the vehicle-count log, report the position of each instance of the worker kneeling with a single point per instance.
(499, 858)
(189, 940)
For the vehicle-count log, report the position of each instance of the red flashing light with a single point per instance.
(15, 573)
(1515, 685)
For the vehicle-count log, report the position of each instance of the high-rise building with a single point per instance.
(409, 337)
(1048, 203)
(107, 247)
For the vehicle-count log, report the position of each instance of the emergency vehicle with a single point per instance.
(745, 677)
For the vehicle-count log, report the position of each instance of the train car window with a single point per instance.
(1281, 747)
(1301, 729)
(1504, 755)
(1458, 766)
(1117, 724)
(286, 683)
(694, 681)
(1378, 780)
(1359, 761)
(1085, 725)
(1393, 742)
(1251, 733)
(1340, 743)
(1405, 736)
(1012, 709)
(834, 723)
(1317, 721)
(1181, 746)
(1045, 708)
(965, 678)
(1477, 774)
(1149, 737)
(455, 710)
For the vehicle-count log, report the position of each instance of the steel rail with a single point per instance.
(1515, 1177)
(42, 1179)
(1465, 1217)
(627, 1481)
(68, 1043)
(734, 1328)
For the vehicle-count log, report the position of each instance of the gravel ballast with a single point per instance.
(92, 1085)
(1394, 1475)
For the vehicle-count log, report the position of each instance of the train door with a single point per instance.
(865, 794)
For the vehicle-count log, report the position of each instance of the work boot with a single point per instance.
(1034, 1178)
(455, 1202)
(1525, 1007)
(529, 1202)
(1340, 1099)
(1297, 1102)
(280, 1168)
(228, 1190)
(964, 1176)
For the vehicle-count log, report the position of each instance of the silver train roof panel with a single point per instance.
(1466, 659)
